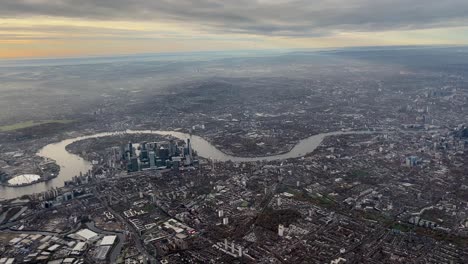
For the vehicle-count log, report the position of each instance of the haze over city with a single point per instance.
(215, 131)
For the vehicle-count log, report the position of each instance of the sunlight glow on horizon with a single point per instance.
(43, 36)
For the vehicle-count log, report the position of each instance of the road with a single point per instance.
(131, 228)
(117, 248)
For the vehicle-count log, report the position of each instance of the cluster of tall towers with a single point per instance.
(157, 155)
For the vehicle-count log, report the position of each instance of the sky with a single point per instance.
(74, 28)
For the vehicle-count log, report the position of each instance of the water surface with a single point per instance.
(71, 164)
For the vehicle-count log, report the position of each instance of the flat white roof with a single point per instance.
(108, 240)
(45, 239)
(15, 240)
(86, 234)
(53, 248)
(36, 237)
(79, 246)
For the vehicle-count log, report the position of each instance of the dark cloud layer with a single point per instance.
(275, 17)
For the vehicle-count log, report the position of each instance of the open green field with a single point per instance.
(32, 124)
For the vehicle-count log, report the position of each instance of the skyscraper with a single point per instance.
(189, 146)
(172, 148)
(144, 152)
(130, 148)
(152, 159)
(134, 164)
(163, 154)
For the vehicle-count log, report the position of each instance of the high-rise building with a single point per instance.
(2, 176)
(130, 148)
(163, 154)
(134, 164)
(152, 146)
(172, 148)
(122, 153)
(189, 146)
(152, 159)
(412, 161)
(144, 155)
(280, 230)
(188, 160)
(176, 163)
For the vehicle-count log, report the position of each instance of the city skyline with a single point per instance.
(46, 28)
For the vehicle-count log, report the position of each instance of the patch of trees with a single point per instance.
(270, 219)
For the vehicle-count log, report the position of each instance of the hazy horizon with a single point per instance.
(47, 28)
(219, 54)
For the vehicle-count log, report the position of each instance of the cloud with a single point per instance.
(260, 17)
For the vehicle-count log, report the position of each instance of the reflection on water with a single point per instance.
(71, 165)
(24, 179)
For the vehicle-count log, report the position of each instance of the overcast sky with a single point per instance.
(51, 28)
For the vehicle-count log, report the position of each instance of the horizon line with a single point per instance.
(278, 50)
